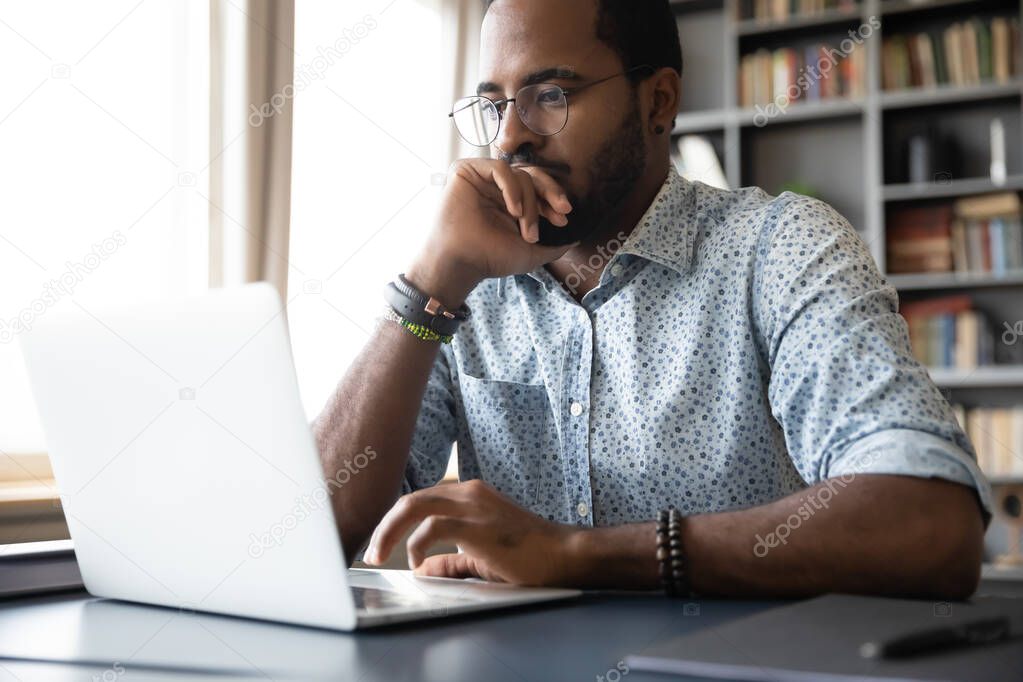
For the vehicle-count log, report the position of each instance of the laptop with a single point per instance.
(189, 476)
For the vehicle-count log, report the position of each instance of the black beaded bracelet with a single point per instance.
(671, 555)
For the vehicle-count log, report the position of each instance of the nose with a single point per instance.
(514, 133)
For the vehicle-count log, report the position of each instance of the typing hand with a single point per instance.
(499, 540)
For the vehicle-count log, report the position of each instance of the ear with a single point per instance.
(665, 91)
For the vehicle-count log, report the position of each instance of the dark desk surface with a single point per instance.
(581, 640)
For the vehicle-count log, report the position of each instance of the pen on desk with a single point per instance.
(966, 634)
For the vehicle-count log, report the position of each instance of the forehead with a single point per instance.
(519, 37)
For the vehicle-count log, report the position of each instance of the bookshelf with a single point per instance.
(945, 94)
(953, 280)
(979, 378)
(915, 6)
(949, 189)
(849, 147)
(817, 20)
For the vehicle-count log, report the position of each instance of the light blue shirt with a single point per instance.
(738, 348)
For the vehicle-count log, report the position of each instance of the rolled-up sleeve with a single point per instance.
(436, 428)
(845, 387)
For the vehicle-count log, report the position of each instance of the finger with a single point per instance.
(448, 566)
(529, 226)
(510, 187)
(549, 254)
(557, 219)
(408, 511)
(490, 191)
(436, 529)
(550, 190)
(554, 203)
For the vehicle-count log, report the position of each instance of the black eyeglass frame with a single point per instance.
(566, 92)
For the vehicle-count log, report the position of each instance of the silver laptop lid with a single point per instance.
(185, 464)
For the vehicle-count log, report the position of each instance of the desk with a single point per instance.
(581, 640)
(576, 640)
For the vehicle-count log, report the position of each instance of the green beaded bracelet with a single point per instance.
(417, 330)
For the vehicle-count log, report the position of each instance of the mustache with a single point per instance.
(530, 159)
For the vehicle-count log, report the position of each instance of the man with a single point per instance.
(733, 356)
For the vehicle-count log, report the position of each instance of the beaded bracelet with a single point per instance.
(670, 554)
(417, 330)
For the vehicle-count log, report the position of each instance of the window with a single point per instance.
(104, 127)
(370, 144)
(104, 131)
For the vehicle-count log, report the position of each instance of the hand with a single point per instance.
(487, 226)
(499, 541)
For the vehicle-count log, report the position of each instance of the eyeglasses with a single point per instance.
(543, 108)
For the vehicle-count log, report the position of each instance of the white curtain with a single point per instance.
(252, 93)
(462, 20)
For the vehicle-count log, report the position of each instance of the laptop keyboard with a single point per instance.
(373, 599)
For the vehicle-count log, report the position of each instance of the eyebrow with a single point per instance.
(541, 76)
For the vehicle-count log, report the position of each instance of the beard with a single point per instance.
(614, 172)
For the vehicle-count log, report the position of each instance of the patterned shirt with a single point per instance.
(737, 348)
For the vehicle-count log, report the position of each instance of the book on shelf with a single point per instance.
(949, 332)
(987, 234)
(997, 437)
(806, 74)
(973, 235)
(783, 10)
(967, 52)
(919, 239)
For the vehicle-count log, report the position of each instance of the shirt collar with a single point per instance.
(665, 234)
(667, 231)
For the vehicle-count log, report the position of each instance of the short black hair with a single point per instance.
(642, 32)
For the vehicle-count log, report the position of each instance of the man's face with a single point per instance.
(601, 153)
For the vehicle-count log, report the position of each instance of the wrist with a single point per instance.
(446, 281)
(612, 557)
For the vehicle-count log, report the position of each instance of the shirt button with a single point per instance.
(617, 270)
(582, 509)
(576, 409)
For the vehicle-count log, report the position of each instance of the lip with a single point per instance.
(553, 170)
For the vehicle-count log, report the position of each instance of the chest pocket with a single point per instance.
(512, 433)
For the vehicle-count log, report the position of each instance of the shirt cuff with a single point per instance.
(908, 452)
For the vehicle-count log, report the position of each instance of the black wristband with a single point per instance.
(419, 308)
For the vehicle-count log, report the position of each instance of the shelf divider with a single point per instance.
(829, 17)
(935, 281)
(995, 376)
(950, 189)
(945, 94)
